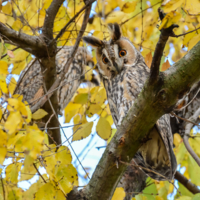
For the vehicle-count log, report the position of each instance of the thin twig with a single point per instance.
(39, 173)
(184, 119)
(4, 195)
(63, 130)
(150, 171)
(62, 31)
(189, 102)
(141, 12)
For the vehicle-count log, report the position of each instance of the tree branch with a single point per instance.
(32, 44)
(154, 101)
(155, 65)
(184, 181)
(42, 101)
(188, 128)
(62, 31)
(47, 29)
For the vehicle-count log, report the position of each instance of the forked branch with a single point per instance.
(43, 100)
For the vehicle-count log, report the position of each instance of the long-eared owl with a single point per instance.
(30, 83)
(124, 72)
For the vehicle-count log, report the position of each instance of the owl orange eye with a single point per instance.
(122, 53)
(105, 60)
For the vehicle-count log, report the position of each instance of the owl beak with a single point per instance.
(116, 66)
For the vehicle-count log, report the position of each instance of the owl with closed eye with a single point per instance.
(124, 72)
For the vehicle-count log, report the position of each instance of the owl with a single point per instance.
(124, 72)
(30, 83)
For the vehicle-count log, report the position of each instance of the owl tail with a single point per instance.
(156, 156)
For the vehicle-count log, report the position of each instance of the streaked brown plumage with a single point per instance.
(30, 84)
(124, 73)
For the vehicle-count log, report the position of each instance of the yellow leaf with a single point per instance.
(19, 61)
(70, 111)
(83, 131)
(116, 16)
(129, 7)
(113, 133)
(3, 84)
(7, 9)
(193, 41)
(3, 67)
(192, 7)
(28, 168)
(60, 195)
(30, 193)
(88, 74)
(12, 85)
(99, 97)
(119, 194)
(3, 18)
(81, 98)
(14, 122)
(39, 114)
(46, 192)
(171, 5)
(148, 59)
(3, 146)
(103, 128)
(171, 18)
(63, 155)
(93, 109)
(33, 141)
(12, 171)
(165, 66)
(66, 177)
(17, 105)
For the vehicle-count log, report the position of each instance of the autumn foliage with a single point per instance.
(24, 145)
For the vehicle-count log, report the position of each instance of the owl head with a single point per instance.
(115, 55)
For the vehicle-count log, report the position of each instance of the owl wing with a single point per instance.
(164, 129)
(156, 156)
(30, 84)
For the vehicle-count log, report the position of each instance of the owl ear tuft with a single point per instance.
(115, 31)
(93, 41)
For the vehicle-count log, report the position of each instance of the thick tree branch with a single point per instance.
(184, 181)
(154, 101)
(32, 44)
(42, 101)
(188, 128)
(47, 29)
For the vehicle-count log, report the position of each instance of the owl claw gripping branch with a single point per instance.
(124, 72)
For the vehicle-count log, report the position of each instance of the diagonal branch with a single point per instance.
(47, 29)
(43, 100)
(32, 44)
(188, 128)
(184, 181)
